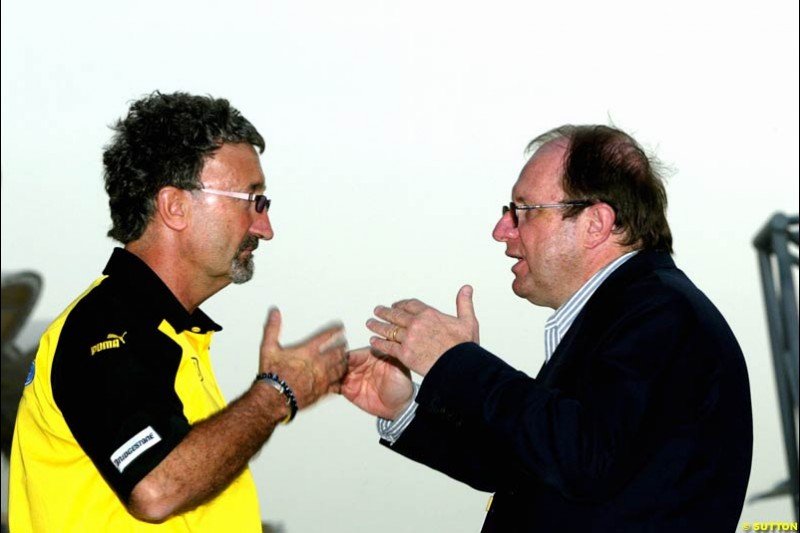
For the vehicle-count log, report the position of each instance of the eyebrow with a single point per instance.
(258, 186)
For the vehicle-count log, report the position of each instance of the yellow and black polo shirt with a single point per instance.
(119, 378)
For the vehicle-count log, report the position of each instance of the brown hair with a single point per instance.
(606, 164)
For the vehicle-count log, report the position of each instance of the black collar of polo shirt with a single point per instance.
(148, 293)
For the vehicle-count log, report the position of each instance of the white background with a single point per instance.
(395, 131)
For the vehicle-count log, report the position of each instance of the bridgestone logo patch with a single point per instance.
(136, 446)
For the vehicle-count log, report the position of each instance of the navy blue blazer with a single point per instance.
(641, 421)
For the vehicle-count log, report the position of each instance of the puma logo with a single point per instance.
(113, 341)
(115, 336)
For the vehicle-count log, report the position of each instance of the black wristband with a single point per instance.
(279, 385)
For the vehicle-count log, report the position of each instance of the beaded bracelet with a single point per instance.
(279, 385)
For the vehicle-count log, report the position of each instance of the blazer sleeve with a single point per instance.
(440, 438)
(588, 426)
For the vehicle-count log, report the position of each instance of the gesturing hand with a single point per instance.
(417, 334)
(377, 383)
(313, 368)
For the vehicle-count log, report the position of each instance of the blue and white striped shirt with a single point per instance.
(557, 325)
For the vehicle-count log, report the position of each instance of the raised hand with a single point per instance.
(313, 368)
(377, 383)
(417, 334)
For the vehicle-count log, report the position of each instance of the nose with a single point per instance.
(504, 230)
(261, 226)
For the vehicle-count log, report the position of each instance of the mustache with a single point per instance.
(249, 242)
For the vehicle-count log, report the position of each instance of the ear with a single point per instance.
(173, 207)
(600, 219)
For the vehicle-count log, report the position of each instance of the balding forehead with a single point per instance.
(555, 145)
(550, 155)
(541, 177)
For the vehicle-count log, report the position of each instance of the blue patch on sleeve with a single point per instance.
(31, 373)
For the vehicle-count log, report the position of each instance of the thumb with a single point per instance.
(464, 307)
(358, 357)
(272, 330)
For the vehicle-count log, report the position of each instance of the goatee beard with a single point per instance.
(242, 269)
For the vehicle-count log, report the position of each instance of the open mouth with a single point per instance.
(516, 265)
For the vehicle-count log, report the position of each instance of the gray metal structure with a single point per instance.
(777, 246)
(20, 291)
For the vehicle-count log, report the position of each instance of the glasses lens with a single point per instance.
(262, 202)
(512, 208)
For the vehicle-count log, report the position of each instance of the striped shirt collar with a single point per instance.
(557, 325)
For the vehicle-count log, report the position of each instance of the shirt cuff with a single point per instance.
(390, 430)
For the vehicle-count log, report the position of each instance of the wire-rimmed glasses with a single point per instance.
(261, 201)
(513, 207)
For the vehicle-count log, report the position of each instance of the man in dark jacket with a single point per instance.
(640, 419)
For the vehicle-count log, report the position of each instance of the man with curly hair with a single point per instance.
(122, 426)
